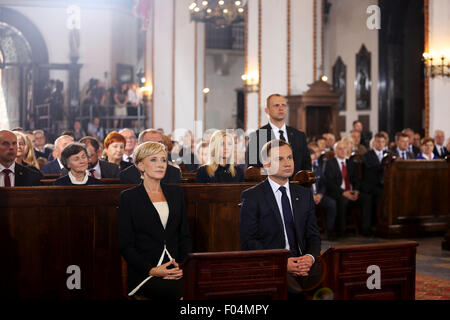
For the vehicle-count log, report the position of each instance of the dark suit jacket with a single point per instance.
(221, 175)
(25, 177)
(409, 155)
(46, 154)
(51, 167)
(131, 175)
(261, 224)
(142, 235)
(435, 151)
(373, 172)
(65, 181)
(320, 180)
(333, 177)
(297, 139)
(108, 170)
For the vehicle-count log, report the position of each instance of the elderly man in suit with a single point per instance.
(56, 166)
(131, 175)
(276, 214)
(13, 174)
(277, 129)
(344, 186)
(439, 148)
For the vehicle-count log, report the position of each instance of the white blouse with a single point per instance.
(163, 210)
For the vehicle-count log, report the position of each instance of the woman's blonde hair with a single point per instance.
(215, 145)
(148, 149)
(30, 157)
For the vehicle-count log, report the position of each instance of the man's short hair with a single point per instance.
(91, 141)
(399, 135)
(356, 121)
(271, 96)
(143, 133)
(265, 151)
(39, 131)
(380, 135)
(355, 131)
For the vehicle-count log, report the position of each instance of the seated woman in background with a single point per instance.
(427, 146)
(115, 148)
(220, 166)
(74, 158)
(153, 228)
(25, 152)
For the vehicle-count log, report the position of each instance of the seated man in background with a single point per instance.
(13, 174)
(344, 186)
(330, 140)
(130, 136)
(131, 175)
(39, 142)
(276, 214)
(402, 144)
(411, 147)
(357, 146)
(55, 166)
(319, 189)
(439, 148)
(374, 172)
(366, 136)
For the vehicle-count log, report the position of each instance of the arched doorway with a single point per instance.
(22, 52)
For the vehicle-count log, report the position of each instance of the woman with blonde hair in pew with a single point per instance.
(25, 152)
(221, 164)
(153, 228)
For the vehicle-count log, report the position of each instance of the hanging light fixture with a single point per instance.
(219, 13)
(437, 65)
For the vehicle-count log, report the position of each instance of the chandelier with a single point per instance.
(219, 13)
(437, 65)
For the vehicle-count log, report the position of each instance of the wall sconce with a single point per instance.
(437, 65)
(147, 90)
(251, 82)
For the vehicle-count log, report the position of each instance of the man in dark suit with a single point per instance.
(439, 148)
(374, 173)
(402, 142)
(319, 189)
(343, 185)
(411, 147)
(276, 214)
(366, 136)
(131, 175)
(39, 145)
(277, 129)
(13, 174)
(55, 166)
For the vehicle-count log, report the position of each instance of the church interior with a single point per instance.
(365, 81)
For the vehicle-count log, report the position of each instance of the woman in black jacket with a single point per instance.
(153, 228)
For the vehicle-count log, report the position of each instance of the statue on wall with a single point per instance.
(363, 82)
(340, 82)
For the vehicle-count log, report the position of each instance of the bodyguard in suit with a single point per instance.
(131, 175)
(276, 214)
(401, 150)
(277, 129)
(55, 166)
(343, 185)
(13, 174)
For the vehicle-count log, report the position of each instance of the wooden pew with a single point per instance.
(415, 198)
(236, 275)
(446, 241)
(346, 271)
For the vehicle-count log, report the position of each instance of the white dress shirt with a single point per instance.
(12, 176)
(339, 160)
(379, 154)
(276, 131)
(440, 150)
(277, 193)
(125, 157)
(60, 164)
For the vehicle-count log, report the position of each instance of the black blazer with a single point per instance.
(222, 175)
(65, 181)
(373, 172)
(320, 180)
(108, 170)
(436, 153)
(409, 155)
(142, 235)
(131, 175)
(25, 177)
(297, 139)
(46, 154)
(124, 165)
(261, 224)
(333, 177)
(51, 167)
